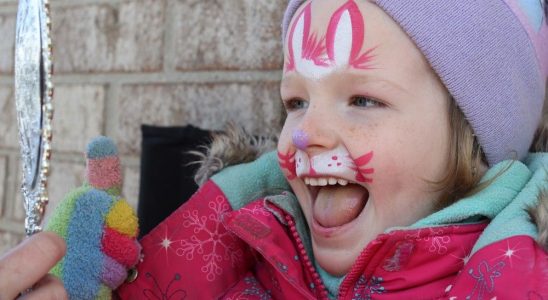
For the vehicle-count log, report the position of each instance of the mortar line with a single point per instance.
(64, 3)
(12, 226)
(10, 6)
(179, 77)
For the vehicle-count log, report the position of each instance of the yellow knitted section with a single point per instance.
(104, 293)
(122, 219)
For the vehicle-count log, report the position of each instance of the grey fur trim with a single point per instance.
(232, 146)
(539, 215)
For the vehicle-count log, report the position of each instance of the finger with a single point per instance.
(24, 265)
(103, 165)
(48, 288)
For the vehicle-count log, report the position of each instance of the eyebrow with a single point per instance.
(373, 79)
(356, 79)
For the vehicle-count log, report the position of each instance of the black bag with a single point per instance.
(167, 177)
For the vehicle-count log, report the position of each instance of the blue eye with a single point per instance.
(295, 104)
(362, 101)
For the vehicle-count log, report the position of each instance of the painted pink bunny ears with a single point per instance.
(341, 46)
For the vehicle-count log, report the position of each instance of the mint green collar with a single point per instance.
(516, 187)
(509, 179)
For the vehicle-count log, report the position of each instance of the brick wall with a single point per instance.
(121, 63)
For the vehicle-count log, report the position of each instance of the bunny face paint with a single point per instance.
(337, 163)
(363, 137)
(341, 46)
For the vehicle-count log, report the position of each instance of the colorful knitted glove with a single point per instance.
(99, 228)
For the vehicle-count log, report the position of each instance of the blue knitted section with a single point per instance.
(84, 259)
(101, 147)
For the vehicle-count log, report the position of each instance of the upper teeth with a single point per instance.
(323, 181)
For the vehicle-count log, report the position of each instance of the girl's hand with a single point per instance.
(27, 265)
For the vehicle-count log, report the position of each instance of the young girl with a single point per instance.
(401, 118)
(402, 170)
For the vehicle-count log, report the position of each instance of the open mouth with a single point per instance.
(336, 202)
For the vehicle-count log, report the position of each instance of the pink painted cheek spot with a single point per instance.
(361, 168)
(287, 162)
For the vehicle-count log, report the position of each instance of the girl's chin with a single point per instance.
(336, 262)
(336, 249)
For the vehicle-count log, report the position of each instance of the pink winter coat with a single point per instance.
(210, 249)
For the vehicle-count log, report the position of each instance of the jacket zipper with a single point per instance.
(304, 257)
(358, 267)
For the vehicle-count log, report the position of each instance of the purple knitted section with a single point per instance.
(533, 18)
(290, 10)
(114, 273)
(486, 58)
(487, 62)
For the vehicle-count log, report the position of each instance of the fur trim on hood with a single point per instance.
(230, 147)
(539, 216)
(235, 146)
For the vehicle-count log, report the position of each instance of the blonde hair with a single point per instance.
(540, 142)
(466, 159)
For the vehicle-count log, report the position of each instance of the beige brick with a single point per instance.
(255, 106)
(65, 176)
(79, 116)
(131, 186)
(8, 240)
(228, 34)
(7, 32)
(109, 37)
(8, 119)
(3, 183)
(18, 209)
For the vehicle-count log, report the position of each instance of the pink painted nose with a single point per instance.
(300, 139)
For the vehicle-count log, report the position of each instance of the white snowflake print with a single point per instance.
(510, 253)
(438, 242)
(211, 241)
(256, 210)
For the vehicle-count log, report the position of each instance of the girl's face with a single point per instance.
(367, 130)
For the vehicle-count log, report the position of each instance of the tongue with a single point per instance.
(338, 205)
